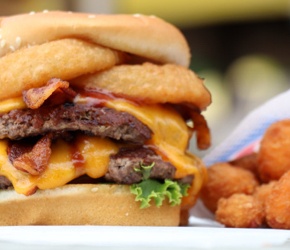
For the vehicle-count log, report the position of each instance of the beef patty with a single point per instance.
(123, 164)
(98, 121)
(122, 167)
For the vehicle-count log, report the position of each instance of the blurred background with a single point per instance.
(241, 48)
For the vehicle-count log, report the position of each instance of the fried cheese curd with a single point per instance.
(273, 156)
(244, 211)
(225, 180)
(248, 162)
(240, 210)
(269, 203)
(277, 204)
(263, 191)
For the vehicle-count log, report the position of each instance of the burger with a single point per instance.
(96, 115)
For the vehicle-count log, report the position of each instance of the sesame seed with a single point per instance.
(127, 214)
(18, 41)
(91, 16)
(95, 189)
(44, 11)
(137, 15)
(2, 43)
(12, 48)
(0, 36)
(31, 12)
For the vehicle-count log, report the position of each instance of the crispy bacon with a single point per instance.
(35, 97)
(33, 161)
(201, 129)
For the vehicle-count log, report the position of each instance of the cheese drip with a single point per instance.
(11, 104)
(170, 133)
(171, 138)
(63, 165)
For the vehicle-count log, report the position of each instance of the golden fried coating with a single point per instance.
(225, 180)
(263, 191)
(151, 83)
(274, 164)
(38, 64)
(240, 210)
(273, 156)
(277, 205)
(248, 162)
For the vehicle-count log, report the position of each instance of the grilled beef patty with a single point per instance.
(98, 121)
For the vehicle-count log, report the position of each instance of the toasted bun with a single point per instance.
(146, 36)
(81, 204)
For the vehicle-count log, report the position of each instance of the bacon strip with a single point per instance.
(35, 97)
(35, 161)
(203, 136)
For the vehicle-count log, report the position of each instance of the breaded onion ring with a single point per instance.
(31, 67)
(151, 83)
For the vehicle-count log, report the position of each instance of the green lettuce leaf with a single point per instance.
(149, 189)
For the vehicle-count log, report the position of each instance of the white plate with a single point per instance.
(100, 237)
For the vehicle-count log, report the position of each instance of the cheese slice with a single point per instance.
(170, 133)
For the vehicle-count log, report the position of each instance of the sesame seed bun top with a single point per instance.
(145, 36)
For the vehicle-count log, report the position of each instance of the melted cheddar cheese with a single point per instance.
(62, 167)
(170, 133)
(10, 104)
(170, 138)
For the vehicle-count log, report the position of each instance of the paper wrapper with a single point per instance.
(244, 140)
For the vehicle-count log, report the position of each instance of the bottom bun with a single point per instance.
(83, 204)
